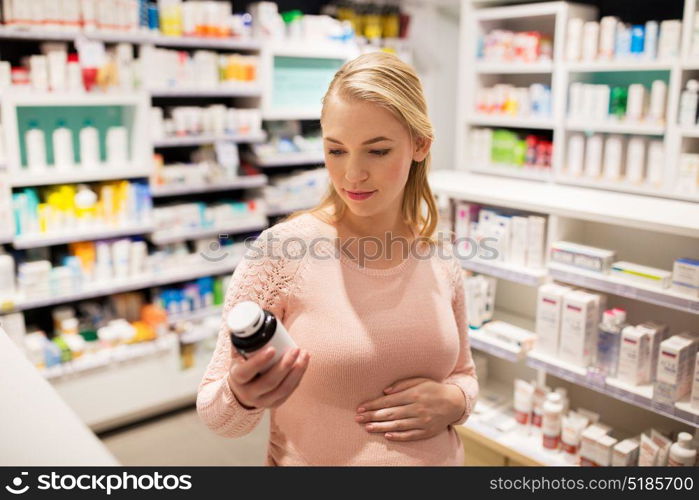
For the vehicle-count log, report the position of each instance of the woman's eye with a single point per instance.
(379, 152)
(335, 152)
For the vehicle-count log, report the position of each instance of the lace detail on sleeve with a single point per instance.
(265, 275)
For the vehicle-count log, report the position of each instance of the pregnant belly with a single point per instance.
(326, 435)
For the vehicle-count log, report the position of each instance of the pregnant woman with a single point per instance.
(372, 298)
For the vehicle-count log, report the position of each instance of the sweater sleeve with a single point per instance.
(464, 373)
(263, 276)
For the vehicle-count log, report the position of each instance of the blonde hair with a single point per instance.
(384, 79)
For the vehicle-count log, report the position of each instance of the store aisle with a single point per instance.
(181, 439)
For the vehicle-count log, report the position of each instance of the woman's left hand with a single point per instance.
(412, 409)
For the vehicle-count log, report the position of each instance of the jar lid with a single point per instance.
(245, 318)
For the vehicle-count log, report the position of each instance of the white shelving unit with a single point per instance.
(552, 19)
(104, 173)
(287, 159)
(506, 271)
(243, 182)
(163, 237)
(243, 90)
(48, 239)
(176, 142)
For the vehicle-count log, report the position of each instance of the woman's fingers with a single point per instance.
(412, 435)
(245, 370)
(404, 424)
(289, 384)
(271, 379)
(386, 414)
(397, 399)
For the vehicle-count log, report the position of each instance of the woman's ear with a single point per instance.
(422, 148)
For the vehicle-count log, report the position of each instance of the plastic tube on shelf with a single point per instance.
(574, 39)
(613, 157)
(636, 160)
(576, 154)
(658, 95)
(591, 34)
(593, 156)
(656, 163)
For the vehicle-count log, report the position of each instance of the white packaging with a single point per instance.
(669, 40)
(548, 317)
(574, 39)
(552, 413)
(688, 104)
(576, 103)
(89, 146)
(656, 333)
(503, 234)
(675, 368)
(35, 144)
(474, 303)
(694, 399)
(572, 427)
(613, 157)
(625, 453)
(536, 241)
(514, 336)
(685, 277)
(590, 41)
(601, 96)
(5, 75)
(650, 41)
(683, 453)
(63, 155)
(593, 156)
(7, 277)
(518, 243)
(607, 37)
(58, 70)
(523, 401)
(658, 96)
(635, 102)
(582, 256)
(117, 146)
(588, 444)
(634, 356)
(604, 447)
(576, 154)
(645, 275)
(579, 319)
(648, 453)
(663, 444)
(655, 166)
(636, 160)
(540, 393)
(39, 73)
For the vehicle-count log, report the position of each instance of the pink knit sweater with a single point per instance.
(364, 328)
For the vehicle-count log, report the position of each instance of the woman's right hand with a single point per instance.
(271, 388)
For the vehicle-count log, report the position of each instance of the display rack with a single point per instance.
(242, 182)
(552, 18)
(187, 141)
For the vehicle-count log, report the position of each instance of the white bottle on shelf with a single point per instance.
(658, 95)
(656, 163)
(35, 144)
(682, 454)
(636, 160)
(89, 146)
(117, 146)
(688, 104)
(576, 155)
(552, 414)
(613, 157)
(593, 156)
(63, 157)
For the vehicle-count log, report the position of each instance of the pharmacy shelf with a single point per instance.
(322, 49)
(637, 396)
(619, 65)
(503, 270)
(239, 91)
(291, 114)
(107, 357)
(30, 97)
(75, 175)
(511, 121)
(517, 172)
(180, 142)
(243, 182)
(197, 269)
(692, 132)
(615, 285)
(164, 237)
(514, 444)
(690, 64)
(508, 68)
(642, 212)
(616, 127)
(69, 236)
(481, 340)
(195, 315)
(624, 187)
(277, 211)
(287, 159)
(131, 37)
(519, 11)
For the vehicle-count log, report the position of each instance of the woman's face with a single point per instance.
(368, 153)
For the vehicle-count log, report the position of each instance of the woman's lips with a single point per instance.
(359, 195)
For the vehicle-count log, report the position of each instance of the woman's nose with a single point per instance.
(354, 172)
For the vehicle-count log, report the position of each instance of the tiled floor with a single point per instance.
(181, 439)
